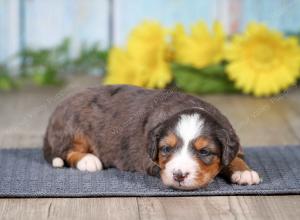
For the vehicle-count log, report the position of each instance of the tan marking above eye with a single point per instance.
(201, 142)
(170, 140)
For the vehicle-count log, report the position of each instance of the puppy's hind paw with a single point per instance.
(89, 163)
(57, 162)
(247, 177)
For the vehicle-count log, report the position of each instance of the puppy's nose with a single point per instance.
(179, 176)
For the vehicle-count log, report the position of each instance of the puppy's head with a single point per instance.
(191, 148)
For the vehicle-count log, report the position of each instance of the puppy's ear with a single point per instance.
(230, 145)
(154, 136)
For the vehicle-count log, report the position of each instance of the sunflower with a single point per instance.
(202, 47)
(263, 62)
(121, 70)
(144, 63)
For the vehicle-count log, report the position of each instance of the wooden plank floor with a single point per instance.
(273, 121)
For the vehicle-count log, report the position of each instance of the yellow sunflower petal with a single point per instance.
(145, 62)
(201, 48)
(262, 61)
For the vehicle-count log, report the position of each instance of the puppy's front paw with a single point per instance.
(89, 163)
(247, 177)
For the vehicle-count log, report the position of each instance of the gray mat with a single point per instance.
(24, 173)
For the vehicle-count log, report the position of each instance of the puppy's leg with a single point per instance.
(84, 161)
(239, 172)
(81, 157)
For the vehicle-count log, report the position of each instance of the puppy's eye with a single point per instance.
(165, 149)
(204, 152)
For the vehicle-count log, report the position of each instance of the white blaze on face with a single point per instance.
(188, 128)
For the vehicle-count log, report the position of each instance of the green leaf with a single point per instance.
(5, 84)
(212, 79)
(46, 77)
(90, 58)
(6, 81)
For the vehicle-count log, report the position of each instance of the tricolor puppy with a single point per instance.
(177, 136)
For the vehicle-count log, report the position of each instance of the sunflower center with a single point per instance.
(263, 53)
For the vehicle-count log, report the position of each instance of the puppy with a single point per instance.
(176, 136)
